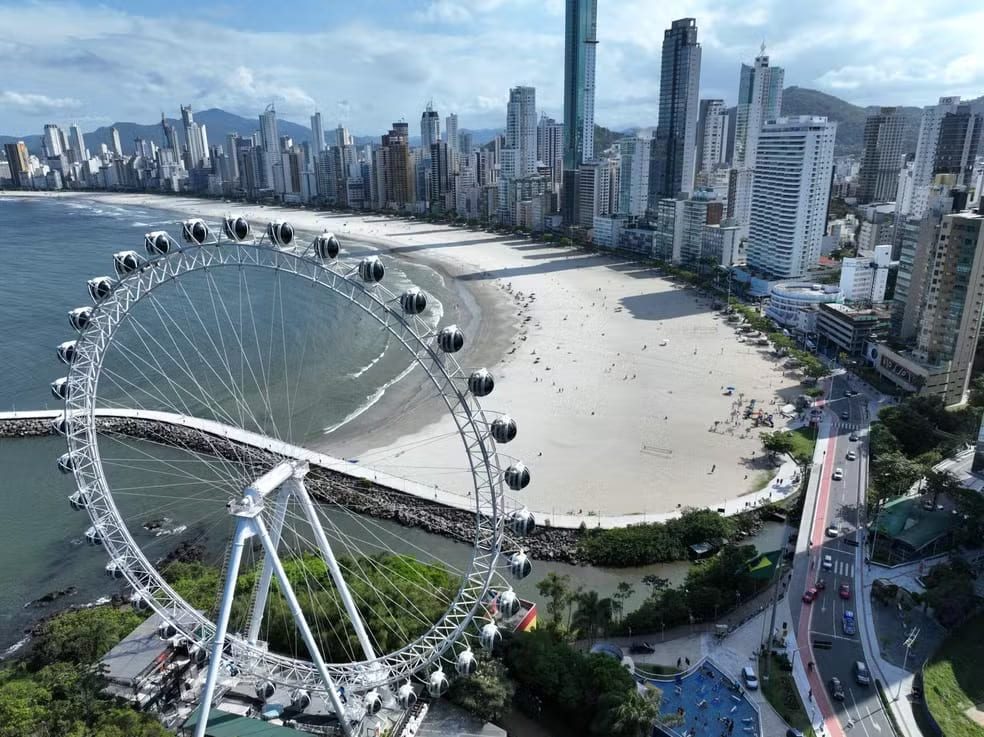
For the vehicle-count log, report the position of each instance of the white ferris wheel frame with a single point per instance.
(419, 339)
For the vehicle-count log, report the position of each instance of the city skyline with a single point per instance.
(59, 75)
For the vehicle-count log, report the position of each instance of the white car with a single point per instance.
(751, 680)
(851, 455)
(838, 474)
(827, 563)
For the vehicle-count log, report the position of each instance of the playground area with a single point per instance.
(704, 702)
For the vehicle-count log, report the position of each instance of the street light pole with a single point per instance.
(908, 643)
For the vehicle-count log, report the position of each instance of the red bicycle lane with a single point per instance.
(831, 723)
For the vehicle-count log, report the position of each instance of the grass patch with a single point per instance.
(803, 442)
(953, 681)
(780, 691)
(760, 481)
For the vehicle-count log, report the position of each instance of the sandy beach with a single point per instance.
(614, 374)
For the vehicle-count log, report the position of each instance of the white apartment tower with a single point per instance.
(759, 100)
(633, 192)
(76, 143)
(117, 144)
(926, 145)
(550, 147)
(790, 194)
(712, 135)
(521, 129)
(317, 134)
(52, 140)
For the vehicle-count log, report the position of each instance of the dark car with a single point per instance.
(845, 415)
(793, 733)
(641, 648)
(836, 689)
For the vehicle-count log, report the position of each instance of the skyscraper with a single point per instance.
(117, 144)
(52, 140)
(19, 161)
(269, 144)
(342, 136)
(451, 132)
(430, 128)
(521, 128)
(317, 134)
(926, 144)
(440, 177)
(633, 195)
(790, 195)
(881, 156)
(76, 143)
(759, 100)
(674, 147)
(712, 134)
(959, 144)
(197, 149)
(398, 180)
(550, 147)
(170, 136)
(580, 40)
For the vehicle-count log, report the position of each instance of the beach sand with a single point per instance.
(614, 374)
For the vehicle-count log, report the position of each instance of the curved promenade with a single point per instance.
(771, 492)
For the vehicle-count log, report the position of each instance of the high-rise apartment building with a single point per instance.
(550, 147)
(790, 195)
(712, 135)
(949, 315)
(521, 128)
(675, 144)
(117, 144)
(925, 159)
(343, 137)
(76, 144)
(430, 128)
(451, 134)
(51, 141)
(759, 100)
(633, 194)
(958, 146)
(440, 178)
(580, 41)
(317, 134)
(269, 145)
(19, 162)
(881, 156)
(399, 180)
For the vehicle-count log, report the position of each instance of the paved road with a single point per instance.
(840, 506)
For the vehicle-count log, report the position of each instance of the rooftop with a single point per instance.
(906, 521)
(224, 724)
(136, 653)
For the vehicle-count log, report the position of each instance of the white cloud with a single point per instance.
(465, 54)
(34, 103)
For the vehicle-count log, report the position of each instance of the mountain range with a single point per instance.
(795, 101)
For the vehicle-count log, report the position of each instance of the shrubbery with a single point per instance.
(656, 542)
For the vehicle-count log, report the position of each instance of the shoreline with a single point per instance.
(617, 451)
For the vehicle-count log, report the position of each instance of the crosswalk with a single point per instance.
(842, 568)
(841, 425)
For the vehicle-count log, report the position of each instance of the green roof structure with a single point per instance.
(905, 521)
(223, 724)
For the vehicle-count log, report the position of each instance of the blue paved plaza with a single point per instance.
(711, 704)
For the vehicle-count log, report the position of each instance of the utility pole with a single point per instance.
(908, 643)
(776, 578)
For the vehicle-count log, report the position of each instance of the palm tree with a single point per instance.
(635, 716)
(593, 615)
(622, 594)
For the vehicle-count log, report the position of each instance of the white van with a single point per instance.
(749, 677)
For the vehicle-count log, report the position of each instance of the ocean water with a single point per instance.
(48, 248)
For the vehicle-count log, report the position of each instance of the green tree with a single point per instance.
(892, 474)
(623, 593)
(655, 583)
(635, 716)
(593, 615)
(487, 693)
(976, 396)
(950, 592)
(777, 443)
(557, 590)
(814, 367)
(941, 483)
(83, 636)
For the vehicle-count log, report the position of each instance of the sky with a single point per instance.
(368, 63)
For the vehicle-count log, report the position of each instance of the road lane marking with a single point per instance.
(860, 718)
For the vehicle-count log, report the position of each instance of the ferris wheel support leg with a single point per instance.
(266, 575)
(243, 532)
(336, 572)
(295, 609)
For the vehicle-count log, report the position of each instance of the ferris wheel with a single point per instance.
(195, 405)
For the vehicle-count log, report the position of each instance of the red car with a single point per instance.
(810, 594)
(845, 591)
